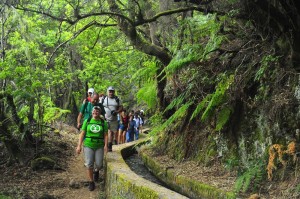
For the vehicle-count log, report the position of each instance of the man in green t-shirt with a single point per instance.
(86, 109)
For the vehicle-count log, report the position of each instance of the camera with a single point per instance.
(114, 113)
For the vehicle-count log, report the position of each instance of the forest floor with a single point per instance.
(69, 181)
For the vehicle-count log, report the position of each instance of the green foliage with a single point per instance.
(297, 188)
(176, 102)
(265, 63)
(4, 196)
(201, 106)
(147, 94)
(231, 163)
(223, 117)
(52, 113)
(251, 178)
(199, 27)
(219, 96)
(174, 120)
(190, 53)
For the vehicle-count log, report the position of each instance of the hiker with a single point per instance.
(131, 128)
(113, 106)
(142, 115)
(93, 139)
(123, 127)
(90, 94)
(138, 125)
(86, 109)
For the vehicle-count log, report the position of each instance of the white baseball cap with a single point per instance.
(91, 90)
(110, 88)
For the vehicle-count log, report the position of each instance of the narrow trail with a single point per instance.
(76, 175)
(74, 178)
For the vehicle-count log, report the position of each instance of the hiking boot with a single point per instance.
(91, 186)
(109, 147)
(96, 176)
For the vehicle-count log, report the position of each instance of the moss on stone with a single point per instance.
(121, 182)
(181, 184)
(42, 163)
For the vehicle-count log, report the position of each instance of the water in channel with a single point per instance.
(136, 165)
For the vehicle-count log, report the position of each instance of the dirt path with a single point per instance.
(75, 178)
(68, 181)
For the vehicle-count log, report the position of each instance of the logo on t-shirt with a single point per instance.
(95, 128)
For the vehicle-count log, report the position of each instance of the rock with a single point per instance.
(74, 185)
(42, 163)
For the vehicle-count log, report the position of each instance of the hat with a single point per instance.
(97, 108)
(91, 90)
(110, 88)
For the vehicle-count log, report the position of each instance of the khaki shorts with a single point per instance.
(113, 126)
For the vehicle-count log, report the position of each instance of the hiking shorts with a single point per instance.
(113, 126)
(92, 156)
(122, 127)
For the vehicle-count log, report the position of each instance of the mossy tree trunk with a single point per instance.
(129, 28)
(13, 145)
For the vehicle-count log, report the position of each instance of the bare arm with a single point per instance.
(105, 142)
(80, 141)
(79, 120)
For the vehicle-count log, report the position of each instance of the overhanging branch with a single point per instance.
(179, 10)
(93, 23)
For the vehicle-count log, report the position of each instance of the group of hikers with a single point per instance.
(104, 122)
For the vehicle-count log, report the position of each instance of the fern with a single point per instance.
(176, 102)
(201, 106)
(218, 97)
(251, 178)
(223, 118)
(171, 121)
(265, 63)
(213, 43)
(183, 57)
(147, 94)
(146, 73)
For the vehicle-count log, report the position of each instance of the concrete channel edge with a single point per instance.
(184, 185)
(122, 182)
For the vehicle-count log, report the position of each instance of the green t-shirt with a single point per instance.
(87, 112)
(94, 133)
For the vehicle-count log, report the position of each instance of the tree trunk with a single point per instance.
(128, 28)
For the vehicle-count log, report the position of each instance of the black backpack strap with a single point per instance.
(117, 100)
(103, 98)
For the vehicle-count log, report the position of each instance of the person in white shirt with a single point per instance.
(113, 106)
(138, 124)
